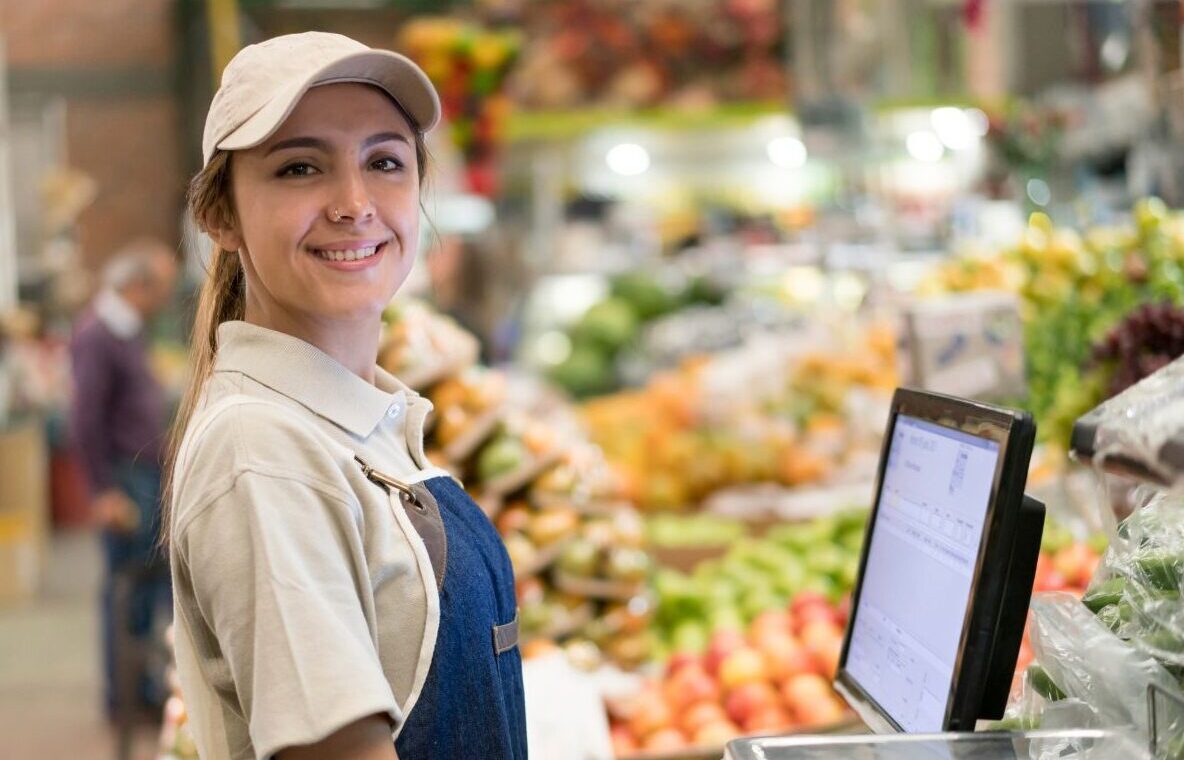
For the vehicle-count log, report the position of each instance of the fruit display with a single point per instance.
(755, 575)
(609, 326)
(468, 63)
(1075, 287)
(421, 347)
(576, 543)
(597, 54)
(772, 676)
(734, 419)
(1144, 342)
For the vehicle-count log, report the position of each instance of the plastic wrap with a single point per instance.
(1095, 658)
(1136, 592)
(1103, 678)
(1141, 427)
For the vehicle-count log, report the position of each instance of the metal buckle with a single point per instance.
(374, 476)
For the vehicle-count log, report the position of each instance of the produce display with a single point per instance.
(421, 346)
(1075, 288)
(584, 53)
(468, 64)
(774, 676)
(755, 575)
(1144, 342)
(600, 336)
(576, 544)
(680, 438)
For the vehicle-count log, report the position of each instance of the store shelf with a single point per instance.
(543, 560)
(567, 124)
(478, 432)
(523, 476)
(597, 588)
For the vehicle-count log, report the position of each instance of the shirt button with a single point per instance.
(396, 409)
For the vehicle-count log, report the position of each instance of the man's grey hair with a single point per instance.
(133, 263)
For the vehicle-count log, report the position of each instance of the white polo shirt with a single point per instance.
(304, 599)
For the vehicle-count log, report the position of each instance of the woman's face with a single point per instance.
(328, 208)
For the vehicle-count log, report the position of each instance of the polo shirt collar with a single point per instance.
(312, 378)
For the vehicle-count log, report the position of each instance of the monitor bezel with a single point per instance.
(1015, 434)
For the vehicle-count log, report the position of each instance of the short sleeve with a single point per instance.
(278, 573)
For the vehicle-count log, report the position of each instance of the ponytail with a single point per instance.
(222, 299)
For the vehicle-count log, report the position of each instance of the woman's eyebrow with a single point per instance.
(382, 137)
(317, 143)
(299, 142)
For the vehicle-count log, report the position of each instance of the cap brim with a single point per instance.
(396, 74)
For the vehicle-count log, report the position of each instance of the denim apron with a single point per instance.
(472, 702)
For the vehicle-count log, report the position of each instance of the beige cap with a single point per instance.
(264, 82)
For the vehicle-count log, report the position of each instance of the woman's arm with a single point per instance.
(366, 739)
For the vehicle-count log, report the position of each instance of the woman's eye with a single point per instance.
(299, 169)
(387, 164)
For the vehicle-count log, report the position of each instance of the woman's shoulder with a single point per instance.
(236, 430)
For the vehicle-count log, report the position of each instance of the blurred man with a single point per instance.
(119, 422)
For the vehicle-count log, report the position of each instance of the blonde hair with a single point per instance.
(223, 296)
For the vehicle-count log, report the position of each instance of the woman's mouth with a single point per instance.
(351, 254)
(353, 258)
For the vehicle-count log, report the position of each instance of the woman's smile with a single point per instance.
(350, 255)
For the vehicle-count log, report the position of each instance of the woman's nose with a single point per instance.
(351, 202)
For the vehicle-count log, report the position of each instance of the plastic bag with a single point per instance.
(1086, 661)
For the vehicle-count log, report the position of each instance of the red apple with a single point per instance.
(786, 657)
(1075, 563)
(824, 642)
(806, 599)
(817, 633)
(770, 622)
(819, 612)
(679, 659)
(715, 734)
(690, 684)
(701, 714)
(767, 720)
(820, 712)
(723, 643)
(803, 689)
(664, 740)
(623, 741)
(749, 699)
(745, 665)
(843, 611)
(649, 713)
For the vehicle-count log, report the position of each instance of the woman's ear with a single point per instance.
(223, 231)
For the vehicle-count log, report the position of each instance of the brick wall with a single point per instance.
(114, 63)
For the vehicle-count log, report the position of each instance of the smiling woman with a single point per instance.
(337, 596)
(310, 199)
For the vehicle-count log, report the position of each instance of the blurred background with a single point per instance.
(678, 253)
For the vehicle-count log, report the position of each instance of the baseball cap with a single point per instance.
(263, 83)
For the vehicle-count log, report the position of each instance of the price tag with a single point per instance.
(969, 345)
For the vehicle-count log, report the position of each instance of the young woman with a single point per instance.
(336, 596)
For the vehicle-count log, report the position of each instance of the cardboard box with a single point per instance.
(21, 558)
(24, 509)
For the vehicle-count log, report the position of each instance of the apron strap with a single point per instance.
(505, 637)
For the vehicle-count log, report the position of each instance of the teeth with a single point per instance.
(351, 255)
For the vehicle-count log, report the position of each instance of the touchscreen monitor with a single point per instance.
(947, 541)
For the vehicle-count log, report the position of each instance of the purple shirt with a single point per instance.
(119, 411)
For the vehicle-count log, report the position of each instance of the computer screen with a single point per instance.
(916, 583)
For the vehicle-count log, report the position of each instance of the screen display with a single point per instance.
(920, 566)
